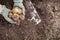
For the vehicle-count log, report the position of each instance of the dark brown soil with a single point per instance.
(26, 30)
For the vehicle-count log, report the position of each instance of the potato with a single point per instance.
(17, 10)
(16, 15)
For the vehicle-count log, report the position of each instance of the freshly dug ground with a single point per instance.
(48, 29)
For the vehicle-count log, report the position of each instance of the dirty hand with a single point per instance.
(18, 11)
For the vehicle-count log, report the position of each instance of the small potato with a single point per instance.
(15, 17)
(17, 10)
(10, 14)
(22, 17)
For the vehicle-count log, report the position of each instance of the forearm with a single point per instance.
(1, 8)
(5, 11)
(19, 3)
(18, 0)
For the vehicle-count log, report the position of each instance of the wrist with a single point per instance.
(18, 0)
(19, 4)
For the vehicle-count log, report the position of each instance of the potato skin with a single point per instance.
(16, 14)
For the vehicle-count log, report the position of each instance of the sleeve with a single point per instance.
(5, 12)
(19, 3)
(1, 8)
(18, 0)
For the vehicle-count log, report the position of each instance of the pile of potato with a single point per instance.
(16, 14)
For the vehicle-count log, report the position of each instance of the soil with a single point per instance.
(48, 29)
